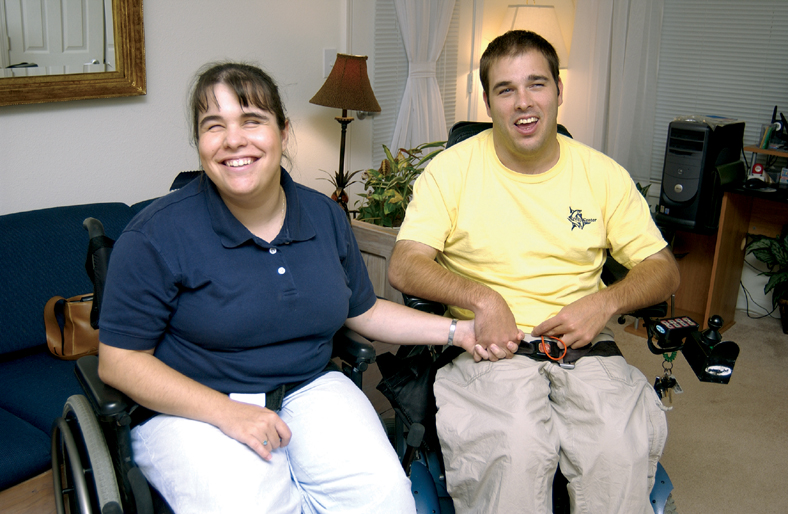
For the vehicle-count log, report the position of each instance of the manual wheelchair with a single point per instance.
(93, 468)
(92, 462)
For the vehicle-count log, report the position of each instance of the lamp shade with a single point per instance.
(540, 19)
(347, 86)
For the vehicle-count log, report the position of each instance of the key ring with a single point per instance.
(544, 347)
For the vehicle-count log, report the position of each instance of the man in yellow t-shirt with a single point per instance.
(512, 227)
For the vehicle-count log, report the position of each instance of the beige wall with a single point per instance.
(129, 149)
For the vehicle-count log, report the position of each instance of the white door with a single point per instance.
(59, 36)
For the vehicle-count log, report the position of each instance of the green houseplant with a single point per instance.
(773, 252)
(389, 189)
(341, 180)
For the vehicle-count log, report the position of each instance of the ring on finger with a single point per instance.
(265, 443)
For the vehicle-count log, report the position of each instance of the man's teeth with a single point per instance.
(238, 162)
(525, 121)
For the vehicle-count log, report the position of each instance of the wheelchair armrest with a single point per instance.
(107, 401)
(356, 353)
(659, 310)
(353, 348)
(424, 305)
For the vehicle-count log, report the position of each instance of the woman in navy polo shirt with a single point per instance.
(231, 287)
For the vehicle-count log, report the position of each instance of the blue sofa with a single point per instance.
(42, 254)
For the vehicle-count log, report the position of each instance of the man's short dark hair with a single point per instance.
(512, 43)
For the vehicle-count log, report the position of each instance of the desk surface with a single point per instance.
(781, 195)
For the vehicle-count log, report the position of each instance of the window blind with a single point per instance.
(721, 57)
(391, 73)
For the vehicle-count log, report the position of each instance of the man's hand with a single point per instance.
(497, 335)
(259, 428)
(650, 281)
(578, 323)
(465, 338)
(413, 270)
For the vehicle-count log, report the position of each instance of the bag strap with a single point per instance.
(53, 329)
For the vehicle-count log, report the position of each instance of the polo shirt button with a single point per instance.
(281, 271)
(272, 251)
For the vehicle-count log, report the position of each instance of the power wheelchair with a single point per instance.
(416, 439)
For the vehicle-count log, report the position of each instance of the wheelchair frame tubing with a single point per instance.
(80, 486)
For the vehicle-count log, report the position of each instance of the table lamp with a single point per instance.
(541, 19)
(347, 87)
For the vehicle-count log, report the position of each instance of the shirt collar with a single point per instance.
(297, 226)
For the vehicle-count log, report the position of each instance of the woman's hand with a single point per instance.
(155, 385)
(259, 428)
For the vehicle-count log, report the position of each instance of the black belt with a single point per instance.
(533, 350)
(275, 397)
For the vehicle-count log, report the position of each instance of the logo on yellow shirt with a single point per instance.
(577, 219)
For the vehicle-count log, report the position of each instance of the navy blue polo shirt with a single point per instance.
(224, 307)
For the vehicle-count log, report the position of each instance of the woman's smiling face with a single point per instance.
(240, 148)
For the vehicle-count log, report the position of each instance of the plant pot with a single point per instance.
(376, 244)
(783, 305)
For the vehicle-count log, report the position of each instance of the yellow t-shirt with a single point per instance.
(539, 240)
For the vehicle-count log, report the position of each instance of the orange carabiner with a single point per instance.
(544, 347)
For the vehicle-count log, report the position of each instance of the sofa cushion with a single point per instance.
(36, 387)
(44, 255)
(24, 455)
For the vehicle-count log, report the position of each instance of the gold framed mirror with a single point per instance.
(127, 80)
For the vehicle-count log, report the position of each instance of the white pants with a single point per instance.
(504, 426)
(339, 460)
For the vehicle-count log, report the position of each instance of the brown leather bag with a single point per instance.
(69, 334)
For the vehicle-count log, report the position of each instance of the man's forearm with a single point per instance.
(651, 281)
(413, 271)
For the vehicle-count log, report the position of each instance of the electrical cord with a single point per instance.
(747, 298)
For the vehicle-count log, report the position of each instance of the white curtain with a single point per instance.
(611, 93)
(424, 25)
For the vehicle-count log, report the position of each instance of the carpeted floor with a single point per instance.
(727, 448)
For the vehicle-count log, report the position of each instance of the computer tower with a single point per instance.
(691, 194)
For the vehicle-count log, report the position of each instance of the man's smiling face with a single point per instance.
(523, 103)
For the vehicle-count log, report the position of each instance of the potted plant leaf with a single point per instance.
(389, 189)
(773, 252)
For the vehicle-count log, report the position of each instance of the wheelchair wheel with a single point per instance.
(82, 470)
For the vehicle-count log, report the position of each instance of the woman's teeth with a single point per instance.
(234, 163)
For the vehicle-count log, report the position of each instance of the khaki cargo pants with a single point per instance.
(504, 426)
